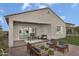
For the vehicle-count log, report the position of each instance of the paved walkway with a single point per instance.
(73, 51)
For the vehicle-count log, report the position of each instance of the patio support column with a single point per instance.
(10, 41)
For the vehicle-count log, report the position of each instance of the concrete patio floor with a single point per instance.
(73, 51)
(22, 51)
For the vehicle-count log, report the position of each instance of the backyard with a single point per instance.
(72, 40)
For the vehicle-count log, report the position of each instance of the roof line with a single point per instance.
(25, 12)
(36, 10)
(69, 23)
(56, 14)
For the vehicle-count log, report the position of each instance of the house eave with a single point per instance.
(25, 12)
(7, 19)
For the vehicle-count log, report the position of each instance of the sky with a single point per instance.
(68, 12)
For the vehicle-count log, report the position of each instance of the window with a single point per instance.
(26, 32)
(32, 31)
(58, 28)
(69, 31)
(23, 33)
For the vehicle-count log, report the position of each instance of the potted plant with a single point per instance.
(46, 48)
(51, 52)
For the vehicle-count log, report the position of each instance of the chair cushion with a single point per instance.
(36, 49)
(61, 46)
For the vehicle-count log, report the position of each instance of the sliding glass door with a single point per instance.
(23, 33)
(27, 33)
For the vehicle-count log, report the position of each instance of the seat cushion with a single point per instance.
(36, 49)
(61, 46)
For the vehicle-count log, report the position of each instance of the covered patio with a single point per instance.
(31, 32)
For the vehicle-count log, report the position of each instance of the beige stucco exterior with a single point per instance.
(44, 19)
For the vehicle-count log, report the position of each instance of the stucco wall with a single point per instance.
(40, 16)
(56, 21)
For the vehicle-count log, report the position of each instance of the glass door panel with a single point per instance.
(27, 33)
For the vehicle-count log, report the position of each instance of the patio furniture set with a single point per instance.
(58, 45)
(39, 50)
(48, 48)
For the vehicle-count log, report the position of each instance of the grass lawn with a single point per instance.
(72, 40)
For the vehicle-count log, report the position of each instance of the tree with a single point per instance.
(77, 29)
(3, 47)
(2, 34)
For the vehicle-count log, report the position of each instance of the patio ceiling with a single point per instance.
(31, 23)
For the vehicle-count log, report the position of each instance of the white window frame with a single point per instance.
(61, 28)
